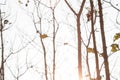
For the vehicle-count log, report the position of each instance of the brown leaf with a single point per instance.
(90, 50)
(44, 36)
(101, 54)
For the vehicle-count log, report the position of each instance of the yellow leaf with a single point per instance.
(114, 50)
(115, 47)
(90, 50)
(44, 36)
(116, 36)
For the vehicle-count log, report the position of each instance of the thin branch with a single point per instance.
(70, 7)
(103, 41)
(10, 70)
(81, 8)
(112, 5)
(117, 18)
(19, 50)
(41, 40)
(94, 40)
(2, 47)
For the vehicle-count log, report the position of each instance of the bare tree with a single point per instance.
(78, 15)
(54, 36)
(2, 75)
(103, 41)
(94, 40)
(48, 60)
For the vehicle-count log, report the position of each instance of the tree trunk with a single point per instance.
(94, 41)
(54, 52)
(45, 60)
(103, 41)
(78, 15)
(79, 49)
(2, 50)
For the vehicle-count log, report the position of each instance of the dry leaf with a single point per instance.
(116, 36)
(88, 16)
(90, 50)
(115, 47)
(101, 54)
(44, 36)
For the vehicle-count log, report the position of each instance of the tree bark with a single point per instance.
(103, 41)
(94, 41)
(45, 59)
(54, 52)
(78, 15)
(79, 49)
(2, 50)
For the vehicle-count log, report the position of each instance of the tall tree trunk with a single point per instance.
(2, 50)
(103, 41)
(45, 59)
(79, 49)
(79, 40)
(94, 41)
(44, 51)
(54, 52)
(78, 15)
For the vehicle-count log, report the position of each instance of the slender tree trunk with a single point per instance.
(2, 50)
(45, 59)
(54, 52)
(94, 41)
(103, 41)
(79, 49)
(78, 15)
(88, 67)
(87, 59)
(44, 51)
(79, 41)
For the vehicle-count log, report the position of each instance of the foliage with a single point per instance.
(44, 36)
(115, 47)
(90, 50)
(116, 36)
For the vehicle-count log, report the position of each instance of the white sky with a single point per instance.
(22, 31)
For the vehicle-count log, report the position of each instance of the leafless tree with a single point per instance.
(106, 63)
(2, 49)
(94, 40)
(78, 15)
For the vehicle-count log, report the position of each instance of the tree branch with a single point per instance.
(70, 7)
